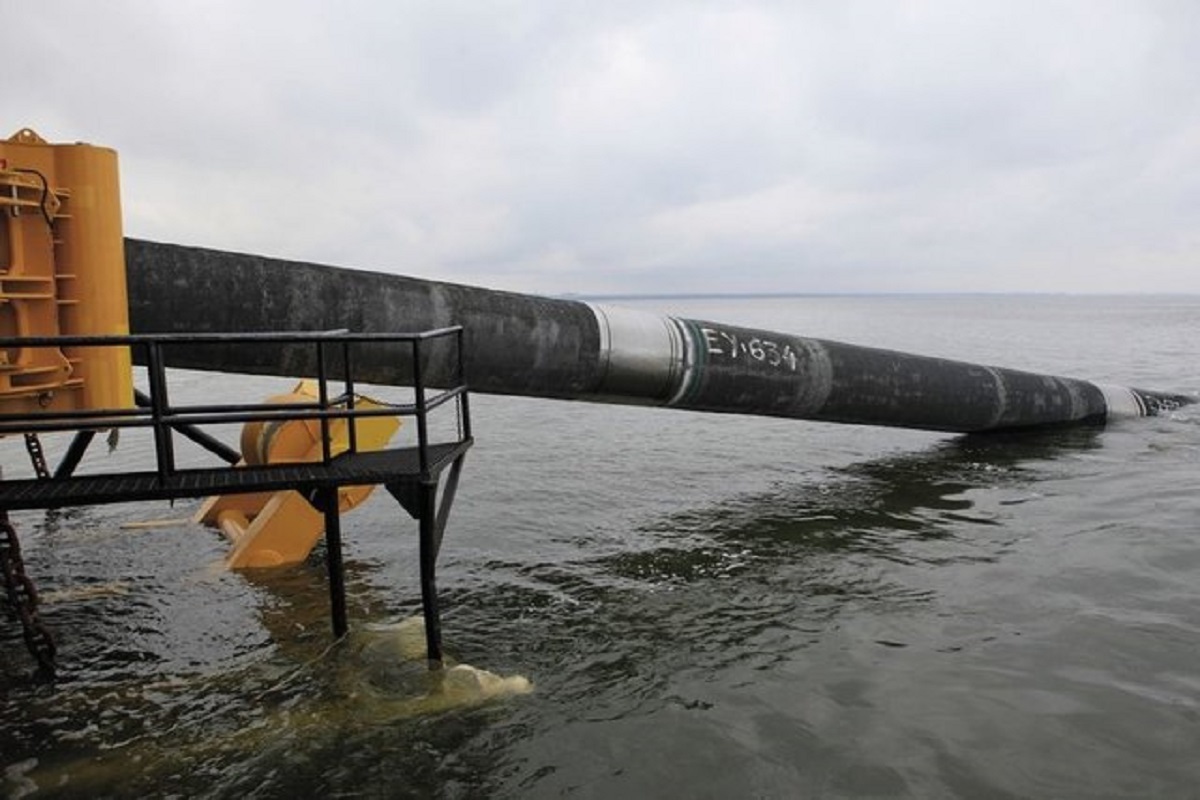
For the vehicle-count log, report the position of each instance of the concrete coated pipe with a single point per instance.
(542, 347)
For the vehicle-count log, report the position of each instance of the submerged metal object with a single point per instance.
(544, 347)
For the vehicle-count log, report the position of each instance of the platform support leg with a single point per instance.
(420, 499)
(328, 502)
(427, 520)
(75, 452)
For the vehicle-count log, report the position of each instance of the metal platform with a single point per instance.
(412, 475)
(394, 466)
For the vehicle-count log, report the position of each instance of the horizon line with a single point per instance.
(893, 293)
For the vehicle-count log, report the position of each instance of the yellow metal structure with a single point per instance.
(62, 273)
(270, 529)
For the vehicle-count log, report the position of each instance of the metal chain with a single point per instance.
(37, 456)
(23, 599)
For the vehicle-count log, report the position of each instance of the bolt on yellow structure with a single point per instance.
(62, 273)
(270, 529)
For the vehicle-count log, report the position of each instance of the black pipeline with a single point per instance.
(543, 347)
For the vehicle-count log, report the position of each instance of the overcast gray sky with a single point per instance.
(613, 146)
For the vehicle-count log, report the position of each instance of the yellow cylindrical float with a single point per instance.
(271, 529)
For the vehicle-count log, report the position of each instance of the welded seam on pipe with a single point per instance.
(1121, 401)
(688, 371)
(1001, 396)
(641, 355)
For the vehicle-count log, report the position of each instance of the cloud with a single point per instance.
(646, 147)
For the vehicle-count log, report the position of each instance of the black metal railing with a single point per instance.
(156, 411)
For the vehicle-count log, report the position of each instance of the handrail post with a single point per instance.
(164, 450)
(464, 406)
(352, 434)
(323, 401)
(419, 392)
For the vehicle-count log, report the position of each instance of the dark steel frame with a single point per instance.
(411, 474)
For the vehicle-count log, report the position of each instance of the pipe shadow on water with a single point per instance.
(752, 579)
(875, 508)
(724, 595)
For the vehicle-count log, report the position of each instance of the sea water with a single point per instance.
(705, 605)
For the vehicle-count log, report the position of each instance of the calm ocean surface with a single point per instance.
(708, 606)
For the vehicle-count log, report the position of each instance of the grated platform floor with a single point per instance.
(349, 469)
